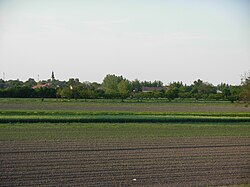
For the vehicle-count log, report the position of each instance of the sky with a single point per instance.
(167, 40)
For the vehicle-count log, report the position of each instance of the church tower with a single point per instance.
(52, 76)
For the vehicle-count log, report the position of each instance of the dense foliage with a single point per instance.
(118, 87)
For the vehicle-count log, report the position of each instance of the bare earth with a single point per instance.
(124, 107)
(136, 162)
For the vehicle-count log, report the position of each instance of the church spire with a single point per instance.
(53, 75)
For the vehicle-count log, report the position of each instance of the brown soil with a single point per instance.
(137, 162)
(126, 107)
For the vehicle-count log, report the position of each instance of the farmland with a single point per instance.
(183, 151)
(118, 106)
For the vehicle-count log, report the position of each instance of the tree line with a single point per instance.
(118, 87)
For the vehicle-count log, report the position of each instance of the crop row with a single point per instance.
(77, 113)
(118, 119)
(213, 166)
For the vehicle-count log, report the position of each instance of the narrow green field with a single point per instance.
(77, 131)
(28, 116)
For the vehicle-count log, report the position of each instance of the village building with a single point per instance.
(151, 89)
(47, 85)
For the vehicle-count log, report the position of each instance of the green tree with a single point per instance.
(110, 84)
(173, 90)
(123, 88)
(73, 82)
(245, 88)
(2, 83)
(65, 92)
(201, 90)
(234, 93)
(136, 86)
(172, 93)
(14, 83)
(30, 82)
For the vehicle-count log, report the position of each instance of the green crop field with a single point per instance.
(78, 131)
(101, 111)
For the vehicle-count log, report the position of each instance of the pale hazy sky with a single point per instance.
(167, 40)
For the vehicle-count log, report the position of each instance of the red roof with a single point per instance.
(151, 89)
(41, 86)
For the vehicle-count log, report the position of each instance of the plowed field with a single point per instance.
(164, 161)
